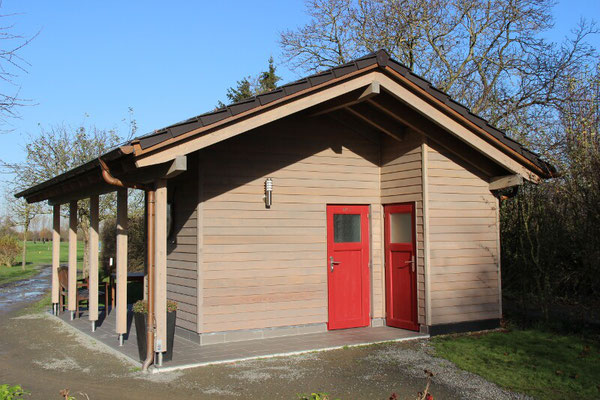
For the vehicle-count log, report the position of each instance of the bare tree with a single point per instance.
(11, 66)
(489, 55)
(57, 150)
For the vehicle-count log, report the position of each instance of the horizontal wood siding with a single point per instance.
(182, 245)
(267, 267)
(463, 232)
(401, 182)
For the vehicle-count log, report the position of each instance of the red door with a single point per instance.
(348, 266)
(401, 275)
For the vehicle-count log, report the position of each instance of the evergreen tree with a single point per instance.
(268, 79)
(242, 91)
(248, 87)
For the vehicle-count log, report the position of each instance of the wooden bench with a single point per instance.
(83, 293)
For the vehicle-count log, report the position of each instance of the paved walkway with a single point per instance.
(187, 354)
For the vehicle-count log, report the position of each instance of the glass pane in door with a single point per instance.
(346, 228)
(401, 228)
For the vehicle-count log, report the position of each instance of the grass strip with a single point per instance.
(539, 363)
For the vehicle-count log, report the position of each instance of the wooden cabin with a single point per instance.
(360, 196)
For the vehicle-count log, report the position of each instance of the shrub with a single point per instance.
(141, 306)
(8, 392)
(9, 250)
(136, 244)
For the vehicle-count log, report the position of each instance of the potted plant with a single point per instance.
(140, 315)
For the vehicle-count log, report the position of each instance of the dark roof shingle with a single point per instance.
(382, 59)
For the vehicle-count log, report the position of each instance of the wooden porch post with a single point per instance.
(55, 256)
(72, 285)
(93, 261)
(160, 276)
(121, 263)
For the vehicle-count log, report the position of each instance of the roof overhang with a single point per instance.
(353, 88)
(403, 90)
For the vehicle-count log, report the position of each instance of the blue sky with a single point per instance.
(167, 60)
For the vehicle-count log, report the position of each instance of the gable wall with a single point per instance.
(266, 267)
(463, 241)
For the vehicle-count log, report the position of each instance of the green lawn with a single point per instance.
(41, 253)
(541, 364)
(37, 254)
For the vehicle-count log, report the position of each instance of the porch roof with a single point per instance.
(204, 124)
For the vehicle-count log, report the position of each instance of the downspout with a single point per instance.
(150, 323)
(150, 191)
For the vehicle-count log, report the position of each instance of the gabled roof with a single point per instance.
(379, 60)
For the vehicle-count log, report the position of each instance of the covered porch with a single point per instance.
(189, 354)
(112, 322)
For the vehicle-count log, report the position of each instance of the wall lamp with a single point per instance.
(268, 192)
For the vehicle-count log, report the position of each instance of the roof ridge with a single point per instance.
(380, 57)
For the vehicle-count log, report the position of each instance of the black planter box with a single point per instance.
(140, 331)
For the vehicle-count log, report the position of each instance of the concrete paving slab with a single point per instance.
(188, 354)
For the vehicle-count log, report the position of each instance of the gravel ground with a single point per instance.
(44, 356)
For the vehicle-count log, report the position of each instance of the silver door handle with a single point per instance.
(412, 262)
(332, 263)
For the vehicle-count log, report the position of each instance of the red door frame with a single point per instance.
(363, 245)
(389, 248)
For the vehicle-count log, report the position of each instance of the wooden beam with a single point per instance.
(426, 246)
(349, 99)
(466, 134)
(72, 264)
(160, 262)
(437, 134)
(192, 141)
(503, 182)
(471, 127)
(378, 120)
(370, 91)
(146, 253)
(55, 252)
(178, 165)
(121, 262)
(200, 249)
(97, 186)
(93, 257)
(356, 125)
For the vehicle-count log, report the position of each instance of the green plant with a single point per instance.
(314, 396)
(141, 306)
(66, 395)
(15, 392)
(9, 250)
(542, 364)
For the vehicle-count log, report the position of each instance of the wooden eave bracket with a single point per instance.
(370, 91)
(378, 120)
(178, 165)
(503, 182)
